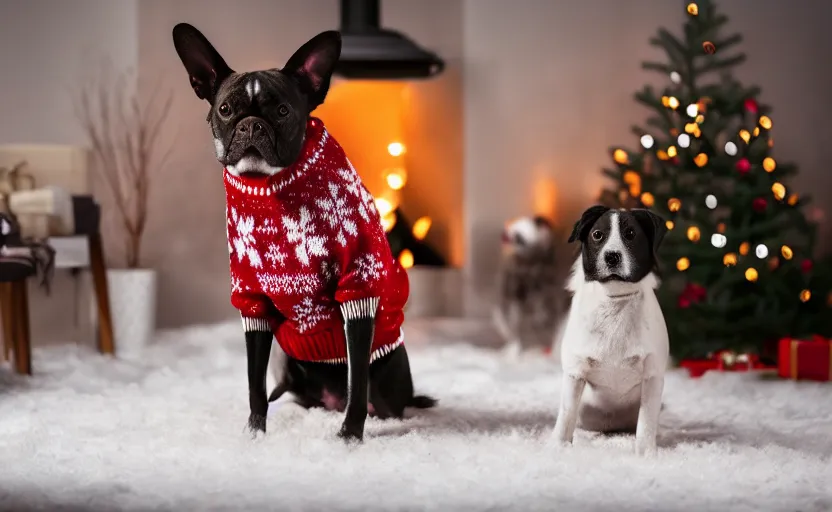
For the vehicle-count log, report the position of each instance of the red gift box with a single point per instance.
(724, 361)
(805, 359)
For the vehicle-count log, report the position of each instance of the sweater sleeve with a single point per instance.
(366, 265)
(255, 310)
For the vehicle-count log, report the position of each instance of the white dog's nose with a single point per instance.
(612, 259)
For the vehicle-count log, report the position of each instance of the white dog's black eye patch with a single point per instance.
(618, 245)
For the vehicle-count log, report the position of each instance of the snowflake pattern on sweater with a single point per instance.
(304, 242)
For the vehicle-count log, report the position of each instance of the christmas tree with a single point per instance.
(738, 264)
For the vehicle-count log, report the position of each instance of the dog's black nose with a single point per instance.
(612, 258)
(250, 124)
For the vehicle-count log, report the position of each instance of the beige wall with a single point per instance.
(548, 88)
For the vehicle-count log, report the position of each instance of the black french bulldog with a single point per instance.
(261, 138)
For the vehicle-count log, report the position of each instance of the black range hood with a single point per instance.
(371, 52)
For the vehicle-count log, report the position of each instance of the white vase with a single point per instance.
(133, 309)
(434, 292)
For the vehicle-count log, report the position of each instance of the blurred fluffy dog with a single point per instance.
(527, 309)
(615, 345)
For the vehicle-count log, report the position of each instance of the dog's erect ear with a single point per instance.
(312, 65)
(653, 226)
(206, 68)
(587, 220)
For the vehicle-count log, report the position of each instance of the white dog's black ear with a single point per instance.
(587, 220)
(206, 68)
(313, 64)
(653, 226)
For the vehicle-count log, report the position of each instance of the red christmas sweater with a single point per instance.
(307, 249)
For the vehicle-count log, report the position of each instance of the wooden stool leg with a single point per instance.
(102, 296)
(8, 319)
(22, 339)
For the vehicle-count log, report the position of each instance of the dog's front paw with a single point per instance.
(646, 447)
(558, 441)
(351, 434)
(256, 424)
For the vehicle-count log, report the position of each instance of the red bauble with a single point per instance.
(806, 266)
(675, 160)
(693, 293)
(751, 105)
(743, 166)
(759, 204)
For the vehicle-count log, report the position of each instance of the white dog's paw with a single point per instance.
(512, 350)
(558, 441)
(646, 447)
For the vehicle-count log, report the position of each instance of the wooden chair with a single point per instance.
(14, 304)
(66, 167)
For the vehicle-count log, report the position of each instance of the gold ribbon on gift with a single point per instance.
(793, 359)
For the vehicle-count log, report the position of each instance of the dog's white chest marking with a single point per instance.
(609, 357)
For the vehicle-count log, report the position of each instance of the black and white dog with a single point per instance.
(614, 350)
(259, 121)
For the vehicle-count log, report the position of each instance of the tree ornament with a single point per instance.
(693, 293)
(806, 266)
(730, 148)
(779, 191)
(765, 122)
(750, 105)
(759, 204)
(711, 202)
(693, 234)
(792, 200)
(620, 156)
(709, 47)
(787, 252)
(744, 248)
(769, 164)
(751, 274)
(773, 263)
(701, 160)
(674, 205)
(718, 240)
(693, 9)
(761, 251)
(669, 225)
(745, 135)
(743, 166)
(647, 199)
(647, 141)
(675, 77)
(720, 228)
(682, 264)
(805, 295)
(729, 260)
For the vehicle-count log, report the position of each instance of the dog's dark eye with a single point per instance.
(629, 233)
(597, 235)
(283, 110)
(225, 109)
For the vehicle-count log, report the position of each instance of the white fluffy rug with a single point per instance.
(88, 433)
